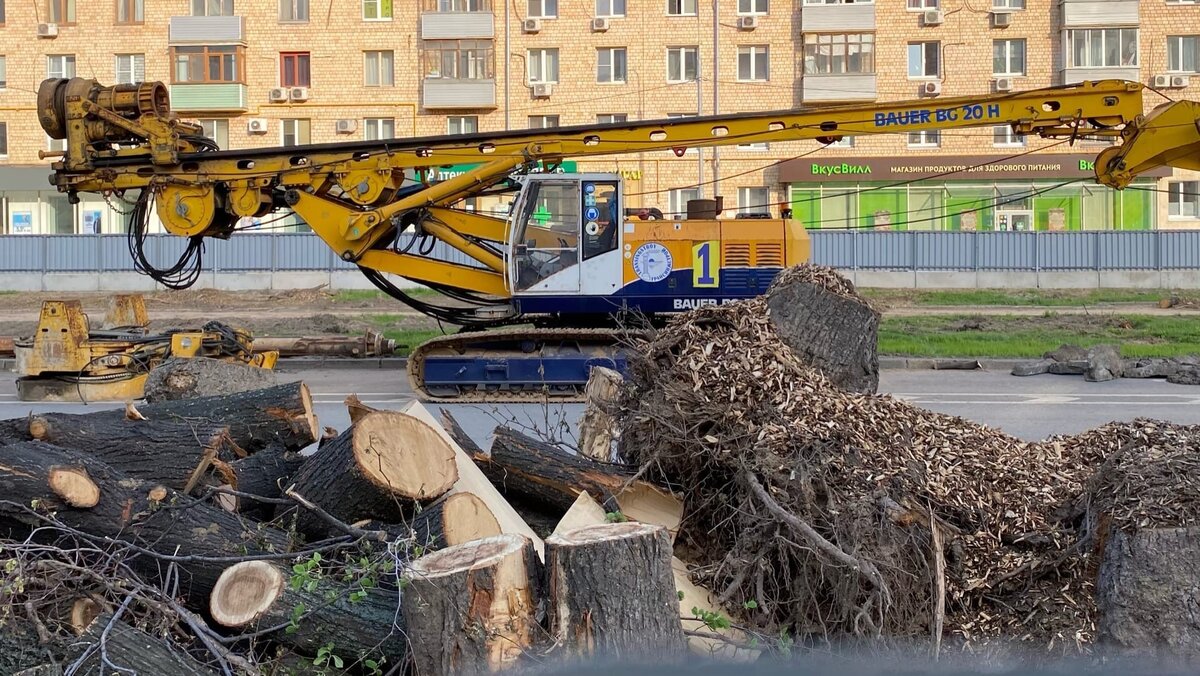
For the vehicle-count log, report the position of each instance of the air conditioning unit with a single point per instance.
(1161, 81)
(532, 25)
(346, 126)
(1004, 84)
(1001, 19)
(278, 95)
(933, 17)
(256, 125)
(600, 24)
(747, 23)
(931, 89)
(542, 91)
(299, 94)
(1180, 81)
(47, 30)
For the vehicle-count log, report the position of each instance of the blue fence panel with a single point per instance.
(301, 251)
(246, 253)
(833, 248)
(1066, 250)
(1127, 251)
(943, 250)
(1179, 249)
(22, 253)
(1007, 250)
(114, 253)
(884, 250)
(72, 253)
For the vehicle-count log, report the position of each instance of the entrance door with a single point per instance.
(1015, 220)
(546, 245)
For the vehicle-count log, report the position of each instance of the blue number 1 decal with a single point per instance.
(706, 264)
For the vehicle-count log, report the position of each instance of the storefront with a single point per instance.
(1036, 191)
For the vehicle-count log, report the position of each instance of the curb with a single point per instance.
(926, 363)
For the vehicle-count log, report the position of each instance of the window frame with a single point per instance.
(3, 72)
(1195, 38)
(541, 12)
(925, 45)
(676, 204)
(295, 5)
(1188, 193)
(135, 7)
(132, 68)
(1069, 44)
(1011, 139)
(3, 139)
(391, 67)
(610, 12)
(1008, 57)
(239, 62)
(757, 206)
(839, 2)
(753, 11)
(65, 57)
(1008, 5)
(612, 65)
(67, 9)
(542, 60)
(218, 123)
(542, 120)
(752, 51)
(3, 13)
(813, 42)
(378, 122)
(221, 10)
(295, 123)
(682, 4)
(925, 5)
(624, 118)
(295, 70)
(925, 136)
(683, 52)
(468, 60)
(379, 6)
(461, 119)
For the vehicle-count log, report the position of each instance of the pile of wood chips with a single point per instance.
(719, 404)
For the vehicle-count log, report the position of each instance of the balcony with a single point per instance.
(209, 97)
(1077, 75)
(1100, 13)
(207, 30)
(843, 17)
(841, 87)
(454, 93)
(458, 26)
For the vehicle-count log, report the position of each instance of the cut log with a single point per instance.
(376, 469)
(256, 595)
(21, 650)
(470, 609)
(460, 436)
(453, 519)
(264, 474)
(143, 513)
(83, 611)
(612, 594)
(174, 453)
(598, 427)
(129, 650)
(177, 379)
(357, 409)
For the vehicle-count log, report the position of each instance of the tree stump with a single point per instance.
(376, 469)
(204, 377)
(598, 427)
(256, 595)
(612, 594)
(470, 608)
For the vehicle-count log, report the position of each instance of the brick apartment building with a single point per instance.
(285, 72)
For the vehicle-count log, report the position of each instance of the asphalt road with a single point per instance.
(1031, 408)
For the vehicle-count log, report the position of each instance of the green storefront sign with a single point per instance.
(446, 173)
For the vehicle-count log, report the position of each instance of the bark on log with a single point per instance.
(450, 520)
(177, 379)
(612, 594)
(130, 649)
(174, 453)
(125, 509)
(264, 474)
(376, 469)
(256, 595)
(527, 468)
(357, 409)
(20, 649)
(470, 609)
(598, 427)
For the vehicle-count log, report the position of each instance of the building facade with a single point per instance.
(284, 72)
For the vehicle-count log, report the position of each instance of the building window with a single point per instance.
(681, 64)
(1008, 57)
(377, 69)
(918, 5)
(61, 11)
(463, 6)
(212, 7)
(60, 65)
(542, 9)
(3, 73)
(131, 68)
(681, 7)
(294, 69)
(1183, 53)
(757, 147)
(1184, 199)
(377, 10)
(826, 54)
(1003, 136)
(459, 59)
(543, 121)
(1, 12)
(379, 128)
(610, 8)
(839, 2)
(924, 59)
(610, 65)
(543, 66)
(754, 200)
(131, 11)
(746, 7)
(843, 142)
(930, 138)
(677, 201)
(1102, 47)
(462, 124)
(218, 131)
(293, 10)
(3, 139)
(295, 132)
(220, 63)
(56, 144)
(612, 118)
(1008, 4)
(753, 63)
